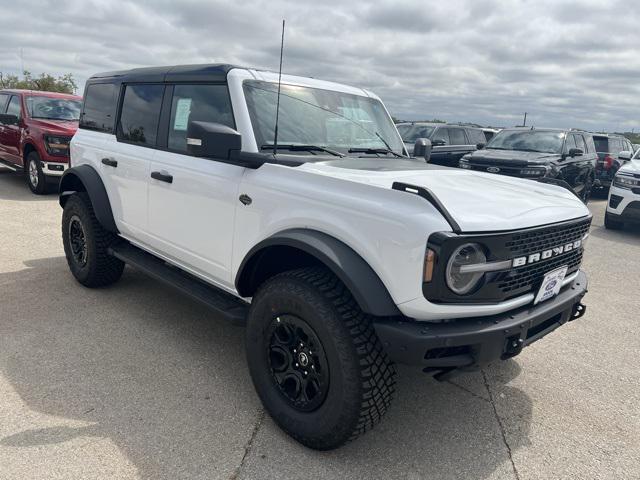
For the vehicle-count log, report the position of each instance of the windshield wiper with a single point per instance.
(302, 148)
(374, 150)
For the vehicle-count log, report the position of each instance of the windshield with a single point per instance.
(322, 118)
(527, 141)
(54, 108)
(410, 133)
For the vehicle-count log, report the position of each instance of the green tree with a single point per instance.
(45, 82)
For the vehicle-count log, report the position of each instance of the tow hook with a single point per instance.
(579, 309)
(513, 347)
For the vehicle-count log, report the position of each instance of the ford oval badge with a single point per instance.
(493, 169)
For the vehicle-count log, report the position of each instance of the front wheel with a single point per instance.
(315, 359)
(86, 244)
(36, 179)
(586, 191)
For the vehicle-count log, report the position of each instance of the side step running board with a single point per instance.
(221, 302)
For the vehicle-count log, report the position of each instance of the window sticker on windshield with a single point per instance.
(183, 109)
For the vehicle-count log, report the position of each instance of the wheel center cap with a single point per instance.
(303, 359)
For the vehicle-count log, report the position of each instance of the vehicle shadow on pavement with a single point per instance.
(153, 372)
(14, 187)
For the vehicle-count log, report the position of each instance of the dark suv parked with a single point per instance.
(613, 152)
(566, 157)
(449, 142)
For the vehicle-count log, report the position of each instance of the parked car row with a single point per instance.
(576, 159)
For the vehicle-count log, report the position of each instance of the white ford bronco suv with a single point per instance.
(340, 253)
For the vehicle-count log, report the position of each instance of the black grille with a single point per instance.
(503, 285)
(614, 201)
(530, 276)
(537, 240)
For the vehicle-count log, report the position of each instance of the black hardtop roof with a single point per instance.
(214, 72)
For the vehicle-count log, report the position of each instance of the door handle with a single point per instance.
(110, 162)
(163, 177)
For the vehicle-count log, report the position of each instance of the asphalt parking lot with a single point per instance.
(138, 381)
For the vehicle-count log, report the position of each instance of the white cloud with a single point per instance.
(567, 63)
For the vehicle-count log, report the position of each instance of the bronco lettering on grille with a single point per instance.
(552, 252)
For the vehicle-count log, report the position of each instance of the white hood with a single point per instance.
(632, 167)
(477, 201)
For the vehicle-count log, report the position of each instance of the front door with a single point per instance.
(193, 200)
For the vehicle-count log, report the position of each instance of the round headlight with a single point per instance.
(462, 280)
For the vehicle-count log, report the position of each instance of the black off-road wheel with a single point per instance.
(611, 223)
(86, 244)
(36, 179)
(315, 360)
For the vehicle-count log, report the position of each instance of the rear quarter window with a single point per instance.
(99, 109)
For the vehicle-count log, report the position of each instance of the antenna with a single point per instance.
(275, 133)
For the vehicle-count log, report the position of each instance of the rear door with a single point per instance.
(130, 153)
(193, 200)
(4, 99)
(10, 134)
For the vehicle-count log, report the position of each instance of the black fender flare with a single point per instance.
(362, 281)
(84, 178)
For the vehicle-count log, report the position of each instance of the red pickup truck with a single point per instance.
(35, 131)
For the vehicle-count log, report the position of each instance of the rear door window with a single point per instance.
(205, 103)
(457, 137)
(99, 108)
(140, 114)
(14, 106)
(4, 98)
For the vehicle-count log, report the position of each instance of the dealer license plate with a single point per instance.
(551, 285)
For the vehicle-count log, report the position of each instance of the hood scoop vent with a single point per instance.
(431, 198)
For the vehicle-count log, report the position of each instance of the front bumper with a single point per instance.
(470, 343)
(54, 169)
(624, 204)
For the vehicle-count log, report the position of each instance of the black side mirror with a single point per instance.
(212, 140)
(422, 148)
(480, 146)
(438, 142)
(8, 119)
(575, 152)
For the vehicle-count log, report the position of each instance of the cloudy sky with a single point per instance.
(567, 63)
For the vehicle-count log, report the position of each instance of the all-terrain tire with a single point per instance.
(612, 224)
(361, 379)
(87, 248)
(36, 179)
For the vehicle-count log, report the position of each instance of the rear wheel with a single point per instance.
(611, 223)
(86, 244)
(315, 359)
(36, 179)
